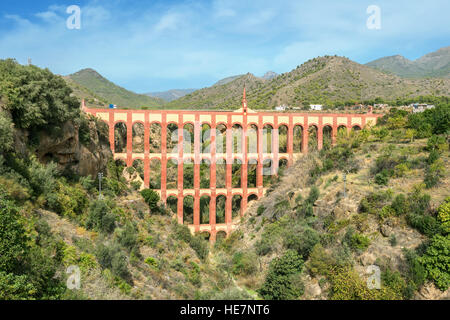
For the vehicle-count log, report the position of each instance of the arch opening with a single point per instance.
(120, 137)
(188, 210)
(155, 174)
(220, 208)
(155, 138)
(298, 138)
(282, 139)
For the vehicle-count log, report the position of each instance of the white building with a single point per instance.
(316, 107)
(421, 107)
(281, 108)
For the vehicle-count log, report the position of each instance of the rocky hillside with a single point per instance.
(325, 80)
(332, 238)
(110, 92)
(435, 64)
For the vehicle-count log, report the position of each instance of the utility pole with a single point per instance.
(100, 176)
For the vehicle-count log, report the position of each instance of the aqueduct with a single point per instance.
(255, 141)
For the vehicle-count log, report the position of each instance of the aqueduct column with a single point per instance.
(163, 157)
(180, 170)
(197, 160)
(290, 141)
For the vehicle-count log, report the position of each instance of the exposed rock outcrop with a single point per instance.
(71, 155)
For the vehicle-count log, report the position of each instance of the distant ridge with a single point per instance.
(328, 80)
(112, 93)
(434, 64)
(170, 95)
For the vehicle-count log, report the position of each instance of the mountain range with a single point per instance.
(329, 80)
(435, 64)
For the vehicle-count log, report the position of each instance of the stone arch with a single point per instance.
(205, 138)
(172, 138)
(188, 174)
(313, 135)
(221, 138)
(252, 139)
(236, 173)
(188, 210)
(236, 206)
(282, 138)
(172, 174)
(221, 173)
(356, 127)
(138, 137)
(155, 138)
(221, 201)
(251, 197)
(298, 138)
(204, 209)
(205, 174)
(120, 137)
(172, 203)
(252, 169)
(267, 138)
(236, 136)
(155, 173)
(327, 136)
(188, 138)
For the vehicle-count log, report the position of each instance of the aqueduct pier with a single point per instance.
(245, 140)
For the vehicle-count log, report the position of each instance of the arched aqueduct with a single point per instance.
(254, 141)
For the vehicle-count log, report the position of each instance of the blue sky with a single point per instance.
(158, 45)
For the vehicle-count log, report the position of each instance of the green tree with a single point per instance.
(436, 261)
(151, 197)
(280, 284)
(13, 238)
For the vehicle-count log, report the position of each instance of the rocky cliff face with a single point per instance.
(71, 155)
(66, 148)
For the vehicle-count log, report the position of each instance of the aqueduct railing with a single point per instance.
(250, 138)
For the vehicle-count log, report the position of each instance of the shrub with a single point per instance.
(152, 262)
(14, 287)
(260, 210)
(434, 173)
(444, 215)
(13, 239)
(355, 240)
(301, 240)
(436, 261)
(100, 217)
(320, 262)
(151, 197)
(278, 284)
(197, 243)
(112, 258)
(382, 178)
(425, 224)
(128, 236)
(346, 285)
(244, 263)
